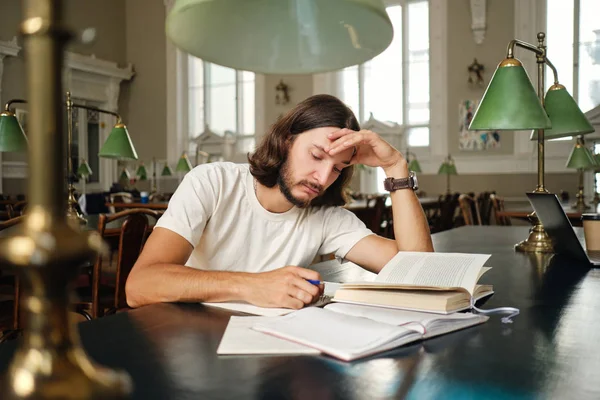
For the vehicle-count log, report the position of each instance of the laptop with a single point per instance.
(559, 228)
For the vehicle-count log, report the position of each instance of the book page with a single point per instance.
(427, 324)
(342, 336)
(239, 338)
(434, 269)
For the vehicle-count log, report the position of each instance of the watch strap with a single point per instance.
(391, 184)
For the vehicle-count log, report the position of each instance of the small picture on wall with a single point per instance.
(22, 117)
(474, 140)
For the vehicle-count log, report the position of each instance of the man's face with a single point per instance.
(309, 170)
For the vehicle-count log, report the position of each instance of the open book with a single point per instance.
(431, 282)
(344, 331)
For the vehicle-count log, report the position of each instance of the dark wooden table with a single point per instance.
(551, 351)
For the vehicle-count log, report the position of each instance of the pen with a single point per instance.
(314, 281)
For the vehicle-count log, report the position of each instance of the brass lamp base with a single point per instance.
(580, 204)
(74, 217)
(537, 241)
(50, 362)
(81, 378)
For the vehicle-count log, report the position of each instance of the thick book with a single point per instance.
(347, 331)
(430, 282)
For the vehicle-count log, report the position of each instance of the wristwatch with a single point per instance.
(391, 184)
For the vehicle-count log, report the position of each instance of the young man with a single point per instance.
(247, 232)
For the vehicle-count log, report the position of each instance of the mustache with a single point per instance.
(314, 186)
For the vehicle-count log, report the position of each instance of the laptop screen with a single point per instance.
(557, 225)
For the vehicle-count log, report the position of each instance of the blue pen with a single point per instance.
(314, 281)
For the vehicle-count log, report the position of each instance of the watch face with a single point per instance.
(415, 181)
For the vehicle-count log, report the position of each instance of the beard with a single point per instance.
(285, 181)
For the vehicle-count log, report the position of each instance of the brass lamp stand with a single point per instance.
(72, 213)
(50, 362)
(538, 240)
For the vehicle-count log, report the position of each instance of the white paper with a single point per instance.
(339, 335)
(241, 306)
(239, 338)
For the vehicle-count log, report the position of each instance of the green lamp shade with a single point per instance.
(118, 145)
(183, 164)
(447, 168)
(597, 159)
(84, 169)
(510, 102)
(141, 170)
(414, 165)
(12, 137)
(125, 174)
(565, 115)
(281, 36)
(166, 171)
(143, 177)
(581, 158)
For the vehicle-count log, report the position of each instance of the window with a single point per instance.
(574, 48)
(394, 86)
(222, 99)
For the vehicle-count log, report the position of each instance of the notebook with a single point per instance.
(428, 282)
(350, 332)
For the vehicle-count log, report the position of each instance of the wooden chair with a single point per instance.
(12, 284)
(19, 208)
(372, 214)
(498, 205)
(485, 207)
(445, 218)
(469, 209)
(101, 295)
(6, 212)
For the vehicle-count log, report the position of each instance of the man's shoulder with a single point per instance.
(219, 170)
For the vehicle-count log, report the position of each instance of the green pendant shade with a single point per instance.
(118, 145)
(414, 165)
(581, 158)
(510, 102)
(565, 115)
(12, 137)
(281, 36)
(597, 159)
(84, 169)
(125, 174)
(183, 164)
(166, 171)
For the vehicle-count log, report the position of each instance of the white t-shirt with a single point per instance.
(216, 210)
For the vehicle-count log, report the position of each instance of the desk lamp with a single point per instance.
(12, 137)
(511, 103)
(84, 171)
(581, 158)
(448, 168)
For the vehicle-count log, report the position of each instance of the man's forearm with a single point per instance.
(161, 283)
(411, 229)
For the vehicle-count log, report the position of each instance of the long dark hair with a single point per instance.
(317, 111)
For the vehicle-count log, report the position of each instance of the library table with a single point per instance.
(550, 351)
